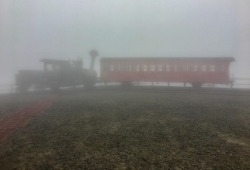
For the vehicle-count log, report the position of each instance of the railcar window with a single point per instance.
(203, 68)
(195, 68)
(167, 68)
(145, 68)
(152, 68)
(160, 68)
(175, 68)
(119, 67)
(123, 68)
(112, 68)
(126, 67)
(184, 68)
(222, 68)
(49, 67)
(137, 68)
(212, 68)
(188, 68)
(130, 68)
(52, 67)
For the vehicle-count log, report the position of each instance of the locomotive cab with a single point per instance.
(63, 73)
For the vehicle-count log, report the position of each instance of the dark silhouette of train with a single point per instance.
(196, 71)
(56, 74)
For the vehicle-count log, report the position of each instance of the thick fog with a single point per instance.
(66, 29)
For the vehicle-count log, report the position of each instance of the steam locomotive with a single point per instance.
(56, 74)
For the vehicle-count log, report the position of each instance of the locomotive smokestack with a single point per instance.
(93, 54)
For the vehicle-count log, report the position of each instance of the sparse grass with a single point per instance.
(125, 130)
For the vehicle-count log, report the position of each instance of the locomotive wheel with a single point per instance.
(22, 89)
(54, 86)
(89, 84)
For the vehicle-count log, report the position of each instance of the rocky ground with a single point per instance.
(12, 103)
(134, 130)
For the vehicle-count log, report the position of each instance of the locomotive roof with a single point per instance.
(231, 59)
(54, 61)
(58, 61)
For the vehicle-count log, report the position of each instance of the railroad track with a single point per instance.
(187, 90)
(156, 89)
(13, 121)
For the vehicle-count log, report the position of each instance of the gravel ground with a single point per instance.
(128, 130)
(12, 103)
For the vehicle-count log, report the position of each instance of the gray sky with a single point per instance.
(34, 29)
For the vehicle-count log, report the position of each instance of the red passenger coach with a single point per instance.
(196, 71)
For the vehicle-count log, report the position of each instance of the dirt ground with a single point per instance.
(12, 103)
(133, 130)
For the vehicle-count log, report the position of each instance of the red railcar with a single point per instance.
(196, 71)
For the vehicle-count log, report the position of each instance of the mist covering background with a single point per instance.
(65, 29)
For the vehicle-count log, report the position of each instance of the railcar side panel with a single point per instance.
(186, 70)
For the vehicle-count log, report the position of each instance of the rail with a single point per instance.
(237, 83)
(241, 79)
(241, 82)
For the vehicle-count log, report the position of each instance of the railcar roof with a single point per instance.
(231, 59)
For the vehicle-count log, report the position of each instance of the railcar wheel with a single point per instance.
(89, 84)
(126, 84)
(196, 85)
